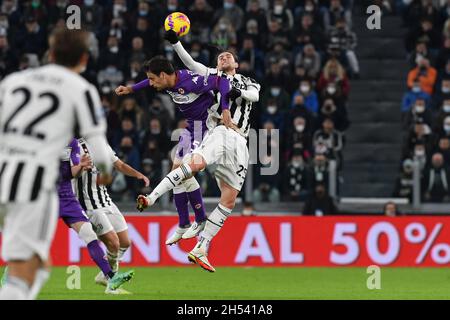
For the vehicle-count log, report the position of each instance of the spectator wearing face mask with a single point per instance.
(295, 178)
(276, 92)
(425, 74)
(309, 7)
(333, 91)
(223, 34)
(255, 19)
(404, 182)
(299, 110)
(390, 209)
(279, 11)
(435, 182)
(418, 114)
(310, 60)
(319, 203)
(318, 171)
(442, 92)
(343, 41)
(334, 72)
(420, 154)
(332, 138)
(444, 129)
(298, 139)
(414, 93)
(231, 12)
(418, 133)
(273, 114)
(310, 96)
(337, 113)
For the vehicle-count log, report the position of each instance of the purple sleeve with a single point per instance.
(75, 152)
(212, 83)
(141, 85)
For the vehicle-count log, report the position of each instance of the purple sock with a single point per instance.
(97, 254)
(181, 203)
(196, 200)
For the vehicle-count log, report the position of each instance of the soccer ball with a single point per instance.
(178, 22)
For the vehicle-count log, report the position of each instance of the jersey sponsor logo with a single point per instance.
(181, 91)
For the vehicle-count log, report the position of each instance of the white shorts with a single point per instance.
(107, 219)
(28, 227)
(227, 151)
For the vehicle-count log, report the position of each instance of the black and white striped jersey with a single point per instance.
(40, 111)
(91, 195)
(240, 108)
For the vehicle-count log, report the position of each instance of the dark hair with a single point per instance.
(157, 65)
(68, 46)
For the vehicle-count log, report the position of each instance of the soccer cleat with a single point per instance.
(118, 291)
(101, 279)
(194, 230)
(176, 236)
(119, 279)
(197, 255)
(4, 276)
(142, 202)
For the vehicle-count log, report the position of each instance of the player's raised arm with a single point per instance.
(188, 61)
(124, 90)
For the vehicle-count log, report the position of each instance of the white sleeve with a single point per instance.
(100, 152)
(89, 114)
(112, 155)
(252, 92)
(190, 63)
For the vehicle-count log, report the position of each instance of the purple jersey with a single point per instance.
(71, 156)
(193, 95)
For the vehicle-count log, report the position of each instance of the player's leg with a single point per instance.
(88, 235)
(214, 223)
(194, 194)
(181, 201)
(27, 235)
(120, 227)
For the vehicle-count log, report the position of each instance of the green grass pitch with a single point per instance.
(173, 283)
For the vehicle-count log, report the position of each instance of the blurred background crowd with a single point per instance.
(302, 53)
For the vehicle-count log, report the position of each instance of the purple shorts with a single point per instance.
(187, 143)
(71, 211)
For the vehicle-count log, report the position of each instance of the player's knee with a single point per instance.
(124, 243)
(228, 203)
(86, 233)
(197, 163)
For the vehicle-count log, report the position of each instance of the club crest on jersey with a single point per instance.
(181, 91)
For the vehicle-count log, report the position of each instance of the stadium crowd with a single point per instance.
(426, 105)
(302, 53)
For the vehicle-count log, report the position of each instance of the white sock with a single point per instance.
(172, 180)
(213, 225)
(41, 278)
(113, 260)
(14, 289)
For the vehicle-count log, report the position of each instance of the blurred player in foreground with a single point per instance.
(193, 95)
(40, 110)
(109, 223)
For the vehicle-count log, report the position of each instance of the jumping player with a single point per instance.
(193, 95)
